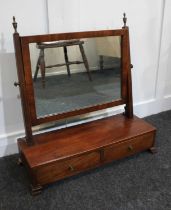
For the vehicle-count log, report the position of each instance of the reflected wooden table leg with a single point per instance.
(101, 62)
(85, 61)
(42, 66)
(67, 61)
(37, 68)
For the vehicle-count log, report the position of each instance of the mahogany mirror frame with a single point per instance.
(22, 52)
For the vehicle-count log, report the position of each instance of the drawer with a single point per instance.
(129, 147)
(60, 169)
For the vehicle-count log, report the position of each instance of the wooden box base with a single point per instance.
(66, 152)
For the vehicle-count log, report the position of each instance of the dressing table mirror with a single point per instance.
(71, 74)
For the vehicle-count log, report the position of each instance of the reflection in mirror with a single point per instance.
(74, 74)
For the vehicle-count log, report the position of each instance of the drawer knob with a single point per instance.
(130, 148)
(71, 168)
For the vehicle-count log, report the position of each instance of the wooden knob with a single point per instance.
(131, 66)
(16, 84)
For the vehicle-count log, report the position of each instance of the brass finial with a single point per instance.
(124, 20)
(14, 25)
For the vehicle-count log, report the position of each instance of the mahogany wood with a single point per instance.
(55, 155)
(67, 167)
(72, 35)
(130, 147)
(129, 104)
(54, 117)
(22, 88)
(63, 153)
(26, 40)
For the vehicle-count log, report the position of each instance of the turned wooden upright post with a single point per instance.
(21, 84)
(129, 100)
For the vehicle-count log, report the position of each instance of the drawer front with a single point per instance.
(60, 169)
(129, 147)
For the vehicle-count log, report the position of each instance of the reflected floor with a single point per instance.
(63, 93)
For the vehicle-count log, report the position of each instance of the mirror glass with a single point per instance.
(74, 74)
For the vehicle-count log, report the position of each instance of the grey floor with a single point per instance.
(140, 182)
(63, 93)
